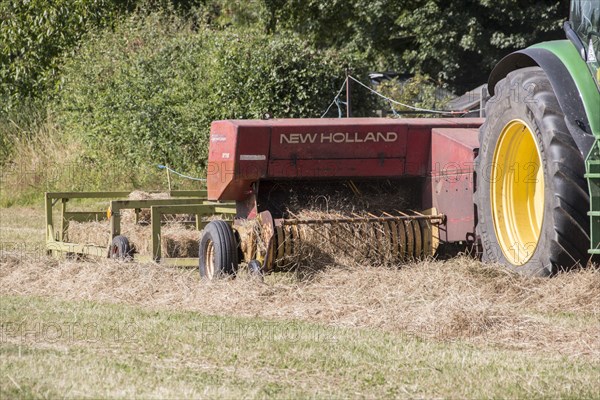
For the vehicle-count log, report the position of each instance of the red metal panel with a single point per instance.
(236, 160)
(252, 153)
(221, 158)
(340, 141)
(419, 144)
(449, 188)
(244, 151)
(388, 167)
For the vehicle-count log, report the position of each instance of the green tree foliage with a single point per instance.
(460, 41)
(148, 91)
(457, 41)
(35, 34)
(418, 91)
(365, 26)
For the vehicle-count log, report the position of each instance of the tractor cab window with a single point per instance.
(585, 20)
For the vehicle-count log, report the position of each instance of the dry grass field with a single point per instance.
(453, 329)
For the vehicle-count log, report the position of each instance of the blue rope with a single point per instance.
(337, 103)
(396, 115)
(335, 100)
(160, 166)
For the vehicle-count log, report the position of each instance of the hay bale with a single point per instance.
(93, 232)
(144, 215)
(177, 240)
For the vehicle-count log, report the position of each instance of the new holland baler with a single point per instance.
(274, 169)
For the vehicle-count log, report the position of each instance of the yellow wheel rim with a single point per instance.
(517, 192)
(209, 260)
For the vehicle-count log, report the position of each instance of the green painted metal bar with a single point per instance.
(76, 248)
(115, 219)
(203, 209)
(180, 262)
(64, 224)
(133, 204)
(189, 193)
(49, 222)
(85, 216)
(171, 262)
(122, 194)
(593, 179)
(157, 211)
(155, 217)
(87, 195)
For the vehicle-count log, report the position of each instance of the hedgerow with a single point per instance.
(147, 91)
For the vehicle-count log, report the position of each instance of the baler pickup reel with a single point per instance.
(280, 244)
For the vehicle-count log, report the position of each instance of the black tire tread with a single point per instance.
(565, 165)
(221, 234)
(120, 248)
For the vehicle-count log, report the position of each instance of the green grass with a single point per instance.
(53, 348)
(22, 229)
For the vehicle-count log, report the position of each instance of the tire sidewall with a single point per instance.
(210, 235)
(517, 105)
(224, 250)
(120, 249)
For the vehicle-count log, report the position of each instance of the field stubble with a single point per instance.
(451, 300)
(366, 331)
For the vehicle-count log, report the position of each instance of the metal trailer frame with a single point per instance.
(183, 202)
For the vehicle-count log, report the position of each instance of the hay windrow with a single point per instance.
(328, 240)
(460, 299)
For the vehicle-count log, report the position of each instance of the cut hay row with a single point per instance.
(457, 299)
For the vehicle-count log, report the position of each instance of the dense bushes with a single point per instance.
(35, 35)
(455, 41)
(148, 91)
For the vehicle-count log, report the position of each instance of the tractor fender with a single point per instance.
(573, 101)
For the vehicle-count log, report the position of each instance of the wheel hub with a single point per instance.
(210, 260)
(517, 192)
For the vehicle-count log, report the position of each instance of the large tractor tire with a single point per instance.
(218, 251)
(531, 195)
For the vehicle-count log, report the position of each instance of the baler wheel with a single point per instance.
(531, 195)
(218, 251)
(120, 249)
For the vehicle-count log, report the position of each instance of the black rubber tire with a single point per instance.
(526, 94)
(224, 251)
(120, 249)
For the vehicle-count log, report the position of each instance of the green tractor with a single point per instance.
(537, 189)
